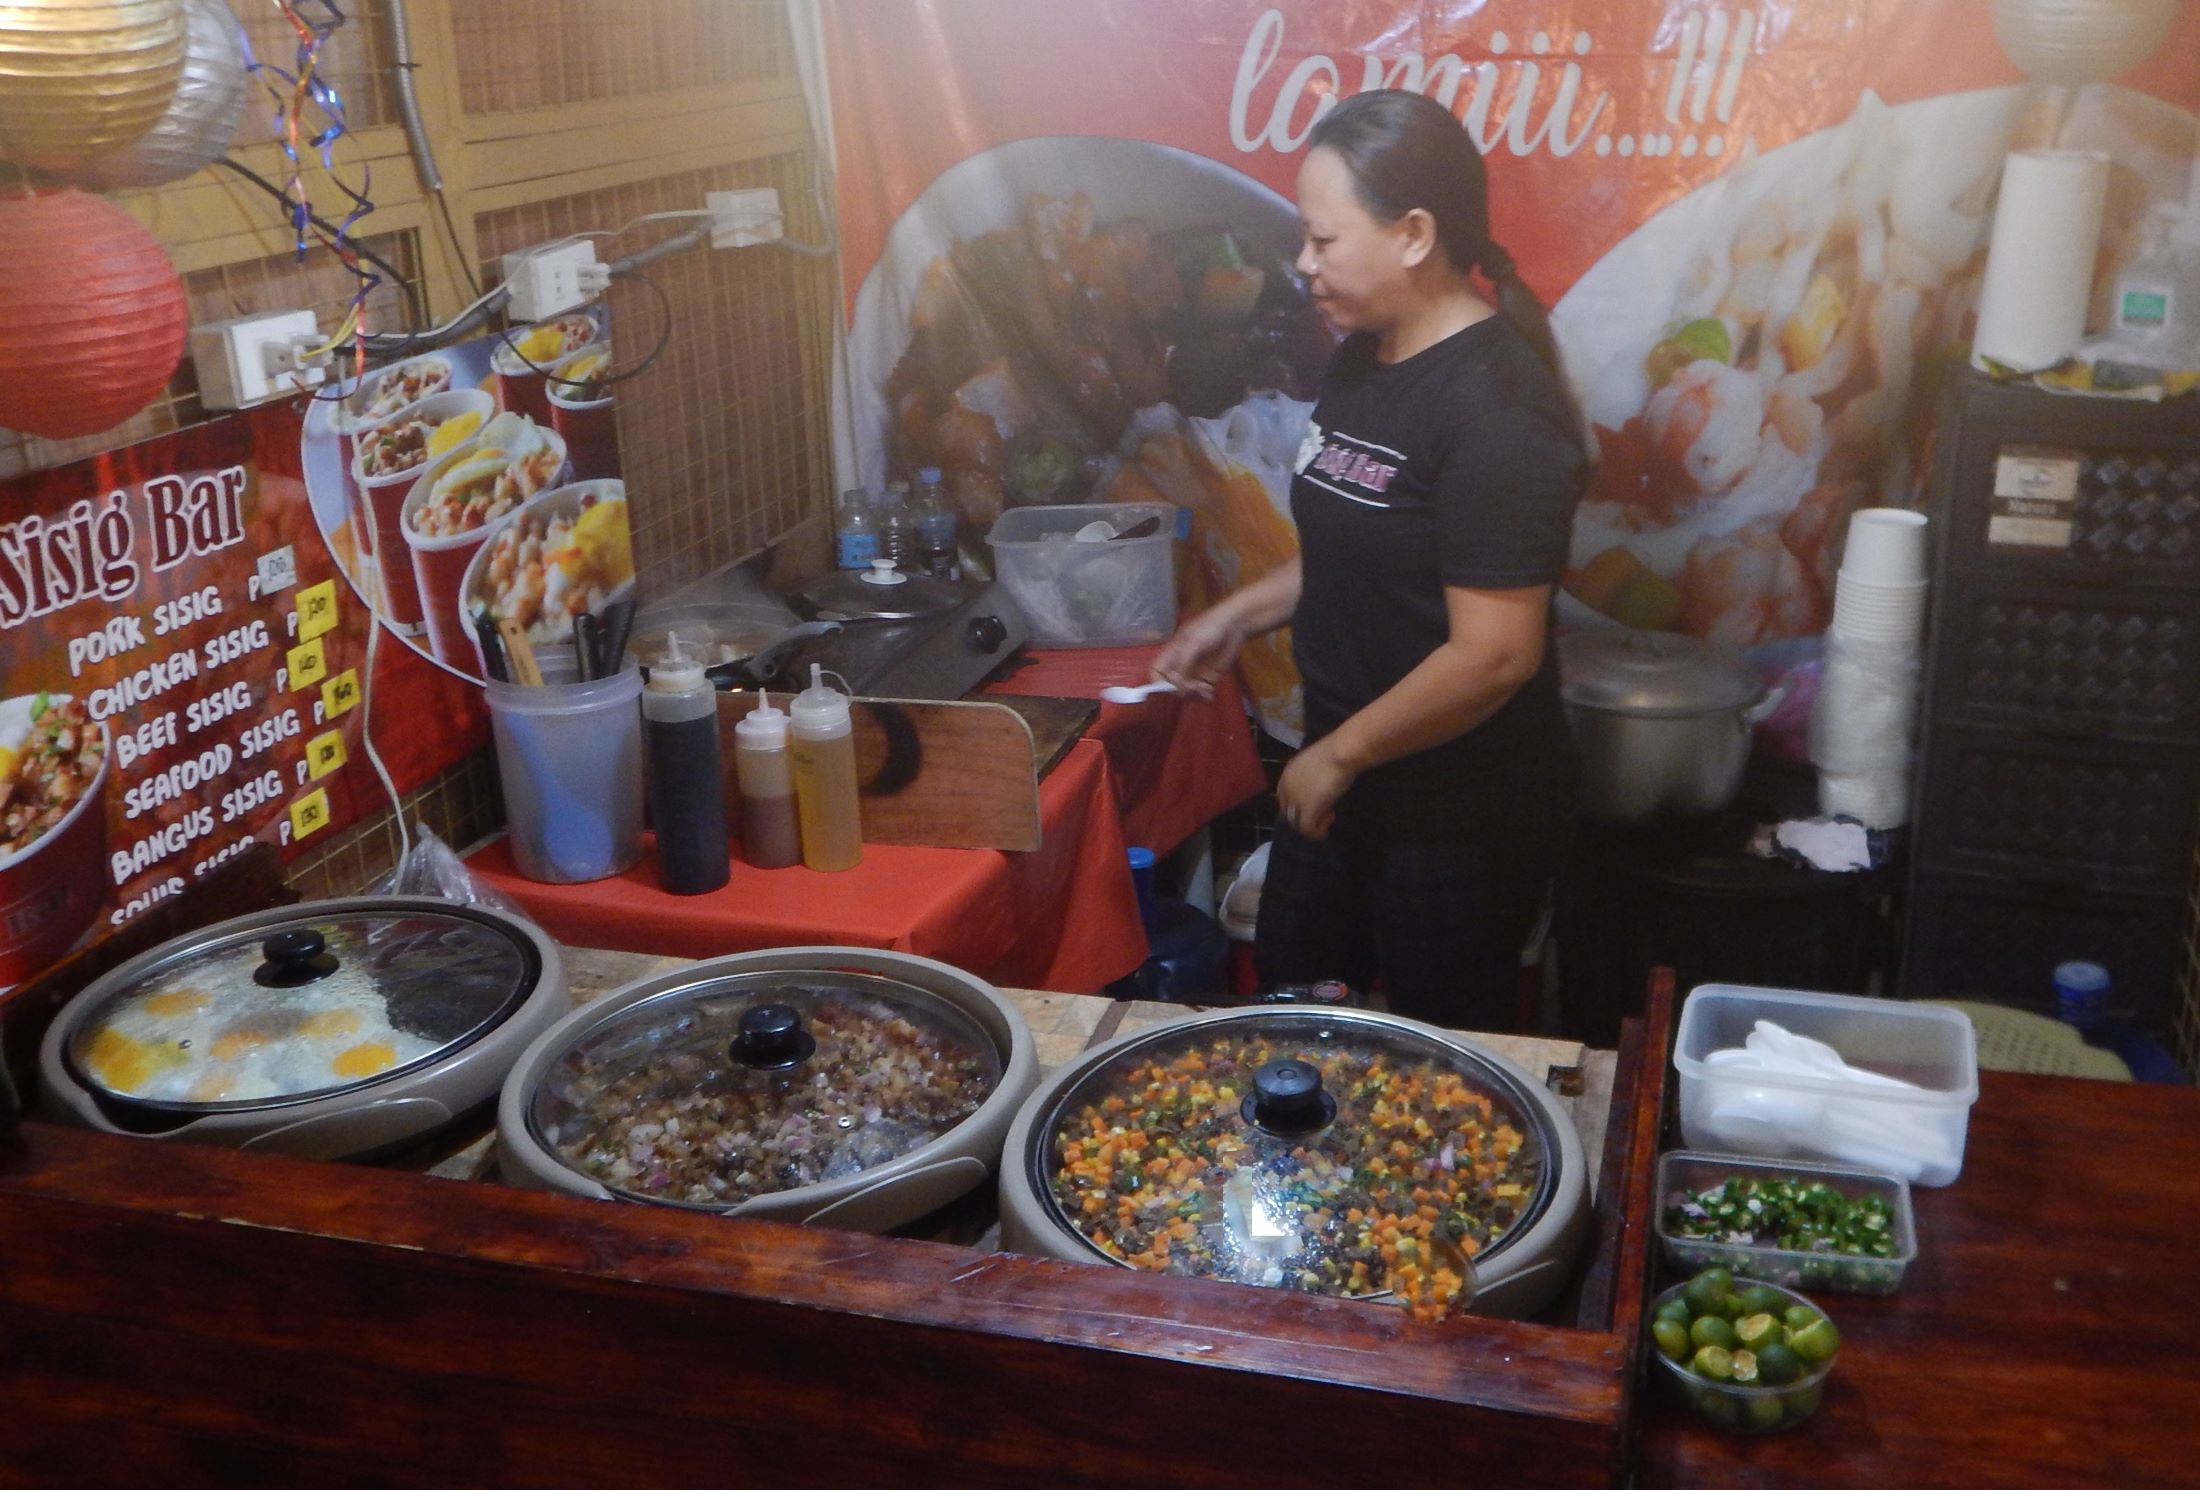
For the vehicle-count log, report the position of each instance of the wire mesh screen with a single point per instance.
(355, 61)
(270, 284)
(460, 806)
(722, 438)
(516, 55)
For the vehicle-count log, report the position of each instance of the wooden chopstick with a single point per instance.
(519, 652)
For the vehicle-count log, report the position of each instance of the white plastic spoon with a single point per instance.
(1117, 694)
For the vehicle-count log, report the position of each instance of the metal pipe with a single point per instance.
(408, 102)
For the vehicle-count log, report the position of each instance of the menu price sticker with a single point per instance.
(317, 610)
(275, 571)
(307, 664)
(340, 694)
(325, 753)
(309, 814)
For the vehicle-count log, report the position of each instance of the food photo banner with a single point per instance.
(184, 623)
(1067, 232)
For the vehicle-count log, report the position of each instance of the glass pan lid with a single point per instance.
(714, 1093)
(301, 1010)
(1308, 1149)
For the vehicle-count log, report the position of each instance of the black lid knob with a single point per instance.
(772, 1038)
(1288, 1100)
(294, 958)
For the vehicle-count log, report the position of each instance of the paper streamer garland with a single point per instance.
(92, 315)
(201, 119)
(82, 77)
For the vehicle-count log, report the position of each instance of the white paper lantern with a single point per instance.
(197, 128)
(81, 77)
(2081, 41)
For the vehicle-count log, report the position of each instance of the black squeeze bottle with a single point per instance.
(687, 781)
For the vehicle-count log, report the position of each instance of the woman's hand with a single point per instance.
(1201, 653)
(1311, 787)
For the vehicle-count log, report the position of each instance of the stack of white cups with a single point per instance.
(1861, 726)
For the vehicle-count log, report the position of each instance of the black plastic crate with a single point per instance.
(2119, 662)
(1998, 940)
(2012, 802)
(2069, 490)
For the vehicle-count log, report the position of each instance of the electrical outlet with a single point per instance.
(252, 359)
(740, 218)
(546, 282)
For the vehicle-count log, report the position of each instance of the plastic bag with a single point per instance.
(432, 868)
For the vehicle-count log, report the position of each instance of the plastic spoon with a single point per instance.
(1118, 694)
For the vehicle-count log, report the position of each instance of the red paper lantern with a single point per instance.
(92, 315)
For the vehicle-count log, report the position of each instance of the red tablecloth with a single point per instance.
(1176, 762)
(1062, 917)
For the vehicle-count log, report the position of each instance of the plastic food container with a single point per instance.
(1745, 1409)
(1095, 591)
(831, 1085)
(569, 762)
(331, 1030)
(1330, 1151)
(1916, 1132)
(1682, 1174)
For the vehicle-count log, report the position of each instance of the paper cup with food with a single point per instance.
(53, 829)
(568, 551)
(371, 400)
(580, 410)
(387, 459)
(458, 502)
(525, 355)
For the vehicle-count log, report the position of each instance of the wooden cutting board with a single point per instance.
(930, 775)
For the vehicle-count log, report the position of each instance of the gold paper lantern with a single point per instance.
(200, 120)
(2081, 41)
(81, 77)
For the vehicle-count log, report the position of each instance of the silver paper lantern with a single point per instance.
(197, 128)
(79, 77)
(2074, 42)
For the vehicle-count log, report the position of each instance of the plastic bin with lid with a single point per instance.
(1915, 1129)
(1104, 589)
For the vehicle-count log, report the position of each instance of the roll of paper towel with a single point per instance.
(2039, 269)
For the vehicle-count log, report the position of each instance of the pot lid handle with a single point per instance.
(885, 572)
(293, 959)
(772, 1038)
(1287, 1099)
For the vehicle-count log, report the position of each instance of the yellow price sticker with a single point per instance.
(325, 753)
(309, 814)
(317, 610)
(308, 664)
(340, 694)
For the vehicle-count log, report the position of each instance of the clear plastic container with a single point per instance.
(569, 758)
(1097, 591)
(1916, 1132)
(1682, 1174)
(1746, 1409)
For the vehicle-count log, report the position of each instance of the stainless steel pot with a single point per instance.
(1662, 721)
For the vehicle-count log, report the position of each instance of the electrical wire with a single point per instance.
(323, 225)
(366, 740)
(664, 339)
(458, 245)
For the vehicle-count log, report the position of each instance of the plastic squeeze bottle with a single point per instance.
(687, 784)
(825, 776)
(771, 835)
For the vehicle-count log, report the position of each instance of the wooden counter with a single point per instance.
(197, 1317)
(2045, 1337)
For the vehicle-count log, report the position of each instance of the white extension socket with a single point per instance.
(252, 359)
(546, 282)
(740, 218)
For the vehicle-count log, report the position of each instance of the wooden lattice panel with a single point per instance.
(722, 439)
(271, 284)
(355, 61)
(516, 55)
(460, 806)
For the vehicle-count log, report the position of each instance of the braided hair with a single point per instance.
(1406, 151)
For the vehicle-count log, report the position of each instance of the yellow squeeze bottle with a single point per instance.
(824, 751)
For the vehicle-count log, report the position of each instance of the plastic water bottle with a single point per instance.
(855, 531)
(936, 554)
(897, 527)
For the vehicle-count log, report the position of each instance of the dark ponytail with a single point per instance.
(1406, 151)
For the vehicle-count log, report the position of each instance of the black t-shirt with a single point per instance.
(1459, 465)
